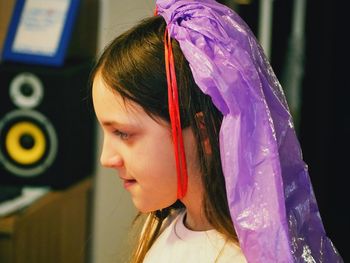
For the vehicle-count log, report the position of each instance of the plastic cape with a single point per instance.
(271, 200)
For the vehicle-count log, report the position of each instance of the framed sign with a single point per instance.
(40, 31)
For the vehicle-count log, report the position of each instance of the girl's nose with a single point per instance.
(112, 162)
(110, 158)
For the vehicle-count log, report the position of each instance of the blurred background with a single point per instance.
(57, 204)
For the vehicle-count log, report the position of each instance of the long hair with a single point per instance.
(133, 65)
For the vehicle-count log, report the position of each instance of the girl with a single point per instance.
(197, 127)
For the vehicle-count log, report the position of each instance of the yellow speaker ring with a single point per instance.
(19, 153)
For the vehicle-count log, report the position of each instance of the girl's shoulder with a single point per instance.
(176, 243)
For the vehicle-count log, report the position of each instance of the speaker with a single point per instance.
(47, 129)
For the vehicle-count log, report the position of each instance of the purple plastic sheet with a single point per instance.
(269, 192)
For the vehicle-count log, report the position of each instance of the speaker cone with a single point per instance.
(26, 90)
(30, 143)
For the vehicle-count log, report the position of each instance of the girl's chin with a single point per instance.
(145, 208)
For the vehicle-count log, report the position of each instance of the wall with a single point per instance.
(113, 209)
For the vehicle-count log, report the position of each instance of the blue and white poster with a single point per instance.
(40, 31)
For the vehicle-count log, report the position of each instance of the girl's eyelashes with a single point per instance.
(121, 135)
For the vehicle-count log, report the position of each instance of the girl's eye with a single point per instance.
(121, 135)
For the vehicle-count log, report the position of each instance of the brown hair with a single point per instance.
(133, 65)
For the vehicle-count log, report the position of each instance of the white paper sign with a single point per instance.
(40, 27)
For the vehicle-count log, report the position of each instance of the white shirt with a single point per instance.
(178, 244)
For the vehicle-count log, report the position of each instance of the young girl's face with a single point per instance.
(139, 148)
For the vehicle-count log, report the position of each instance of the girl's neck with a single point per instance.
(195, 219)
(196, 222)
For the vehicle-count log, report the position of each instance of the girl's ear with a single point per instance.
(203, 132)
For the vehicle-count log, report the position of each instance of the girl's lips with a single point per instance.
(128, 183)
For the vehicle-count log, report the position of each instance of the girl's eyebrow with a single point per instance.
(111, 123)
(118, 124)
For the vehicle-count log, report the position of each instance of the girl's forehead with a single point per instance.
(110, 106)
(102, 92)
